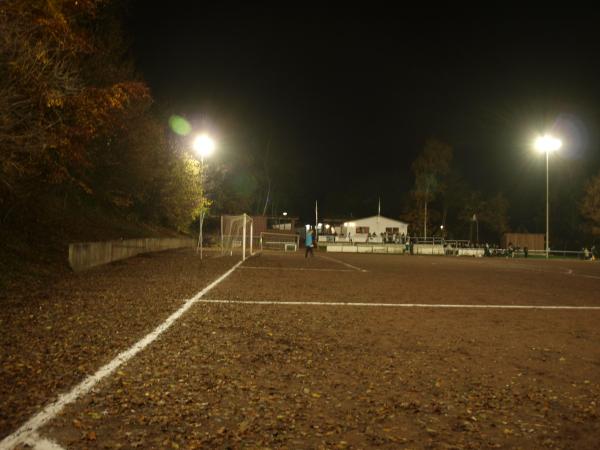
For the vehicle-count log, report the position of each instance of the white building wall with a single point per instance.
(376, 224)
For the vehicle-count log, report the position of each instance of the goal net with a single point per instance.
(237, 235)
(279, 241)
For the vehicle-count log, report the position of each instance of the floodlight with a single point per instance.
(204, 145)
(547, 144)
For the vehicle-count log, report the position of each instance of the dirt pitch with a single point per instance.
(311, 375)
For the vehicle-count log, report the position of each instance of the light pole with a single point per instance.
(204, 147)
(547, 144)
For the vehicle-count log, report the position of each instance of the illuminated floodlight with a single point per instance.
(327, 226)
(441, 227)
(307, 226)
(319, 225)
(547, 144)
(284, 213)
(345, 224)
(204, 145)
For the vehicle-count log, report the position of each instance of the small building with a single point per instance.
(360, 229)
(274, 224)
(533, 241)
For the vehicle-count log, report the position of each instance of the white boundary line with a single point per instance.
(574, 274)
(38, 443)
(342, 262)
(296, 268)
(399, 305)
(29, 429)
(542, 270)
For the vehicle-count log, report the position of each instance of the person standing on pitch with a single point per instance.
(308, 242)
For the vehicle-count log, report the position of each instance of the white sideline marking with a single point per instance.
(45, 444)
(38, 443)
(399, 305)
(295, 268)
(29, 429)
(570, 272)
(342, 262)
(541, 270)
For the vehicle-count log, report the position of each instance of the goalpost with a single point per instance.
(279, 241)
(237, 235)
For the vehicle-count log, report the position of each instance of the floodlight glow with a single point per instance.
(345, 224)
(547, 144)
(442, 227)
(204, 145)
(307, 226)
(327, 226)
(284, 213)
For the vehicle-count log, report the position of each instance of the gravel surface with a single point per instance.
(306, 376)
(53, 338)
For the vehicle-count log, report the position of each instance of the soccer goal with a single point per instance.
(279, 241)
(237, 235)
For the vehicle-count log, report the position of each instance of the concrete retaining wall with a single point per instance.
(90, 254)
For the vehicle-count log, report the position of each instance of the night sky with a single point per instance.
(347, 97)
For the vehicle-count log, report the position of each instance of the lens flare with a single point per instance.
(179, 125)
(574, 132)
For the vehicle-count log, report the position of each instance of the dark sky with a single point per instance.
(346, 97)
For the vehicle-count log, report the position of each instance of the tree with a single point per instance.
(491, 213)
(430, 168)
(590, 205)
(54, 104)
(453, 197)
(495, 214)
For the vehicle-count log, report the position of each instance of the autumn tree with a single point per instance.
(473, 204)
(430, 169)
(490, 213)
(54, 105)
(453, 197)
(590, 205)
(495, 214)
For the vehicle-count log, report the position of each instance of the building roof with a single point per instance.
(380, 216)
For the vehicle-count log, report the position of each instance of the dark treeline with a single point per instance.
(78, 124)
(442, 202)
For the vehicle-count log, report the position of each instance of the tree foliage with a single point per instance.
(74, 117)
(590, 205)
(430, 169)
(50, 111)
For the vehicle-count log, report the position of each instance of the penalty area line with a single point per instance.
(296, 268)
(400, 305)
(28, 430)
(342, 262)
